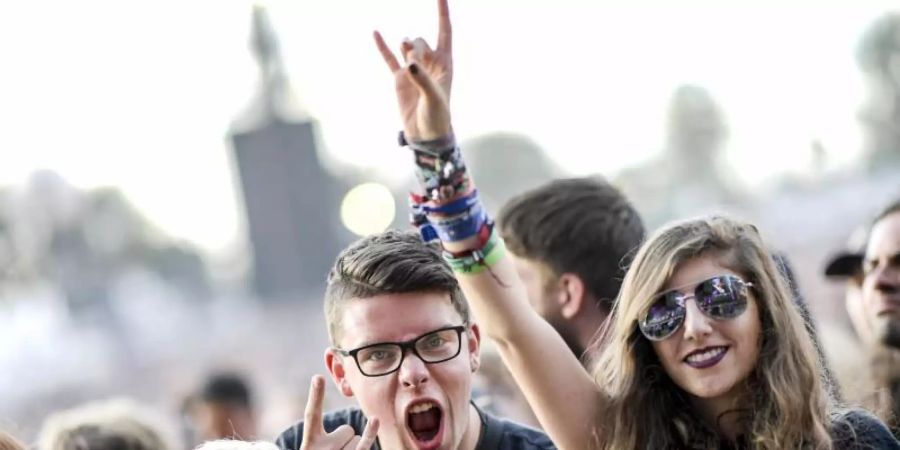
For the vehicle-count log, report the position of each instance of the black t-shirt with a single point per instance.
(496, 434)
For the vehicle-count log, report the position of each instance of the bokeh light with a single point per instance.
(367, 209)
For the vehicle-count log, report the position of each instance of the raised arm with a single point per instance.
(562, 394)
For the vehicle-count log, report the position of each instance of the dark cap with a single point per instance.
(848, 262)
(844, 264)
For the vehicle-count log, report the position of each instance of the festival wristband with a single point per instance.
(455, 206)
(477, 260)
(434, 147)
(461, 226)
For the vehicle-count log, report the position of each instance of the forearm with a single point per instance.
(553, 380)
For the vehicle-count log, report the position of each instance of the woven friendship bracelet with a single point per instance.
(479, 260)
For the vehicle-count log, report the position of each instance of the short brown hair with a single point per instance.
(393, 262)
(581, 225)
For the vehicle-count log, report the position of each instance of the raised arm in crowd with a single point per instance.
(703, 349)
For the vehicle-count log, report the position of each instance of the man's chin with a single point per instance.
(887, 331)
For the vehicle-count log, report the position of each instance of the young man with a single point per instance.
(404, 345)
(571, 240)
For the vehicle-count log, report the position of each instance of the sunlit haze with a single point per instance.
(141, 94)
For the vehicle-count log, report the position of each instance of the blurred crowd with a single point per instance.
(116, 336)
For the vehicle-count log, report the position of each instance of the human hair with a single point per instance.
(229, 444)
(787, 404)
(890, 208)
(8, 442)
(227, 388)
(581, 225)
(107, 425)
(392, 262)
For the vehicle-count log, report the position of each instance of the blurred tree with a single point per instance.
(507, 164)
(878, 57)
(82, 241)
(689, 176)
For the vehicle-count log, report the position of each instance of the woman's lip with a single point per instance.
(709, 362)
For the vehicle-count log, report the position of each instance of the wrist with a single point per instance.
(436, 146)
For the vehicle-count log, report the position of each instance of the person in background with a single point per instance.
(107, 425)
(224, 408)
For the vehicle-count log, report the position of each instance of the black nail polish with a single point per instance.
(413, 69)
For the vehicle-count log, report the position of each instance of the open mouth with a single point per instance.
(424, 420)
(706, 357)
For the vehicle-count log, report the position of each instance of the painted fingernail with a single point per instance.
(413, 69)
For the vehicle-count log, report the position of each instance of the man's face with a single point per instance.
(534, 276)
(545, 298)
(420, 406)
(881, 280)
(854, 303)
(224, 421)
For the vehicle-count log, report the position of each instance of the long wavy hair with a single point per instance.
(787, 405)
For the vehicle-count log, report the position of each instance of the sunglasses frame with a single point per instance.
(681, 303)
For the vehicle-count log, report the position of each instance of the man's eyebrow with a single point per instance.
(367, 343)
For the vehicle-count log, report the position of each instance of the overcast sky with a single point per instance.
(140, 94)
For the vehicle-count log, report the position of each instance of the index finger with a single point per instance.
(312, 417)
(445, 30)
(369, 434)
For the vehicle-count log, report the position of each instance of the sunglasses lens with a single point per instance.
(663, 318)
(722, 297)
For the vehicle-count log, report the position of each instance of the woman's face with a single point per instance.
(709, 358)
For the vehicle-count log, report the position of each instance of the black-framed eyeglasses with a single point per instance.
(722, 297)
(375, 360)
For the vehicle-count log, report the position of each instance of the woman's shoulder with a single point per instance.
(860, 429)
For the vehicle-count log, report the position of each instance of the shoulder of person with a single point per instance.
(858, 428)
(292, 438)
(515, 436)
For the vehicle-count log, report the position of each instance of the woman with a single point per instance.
(705, 348)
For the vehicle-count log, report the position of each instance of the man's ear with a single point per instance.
(572, 295)
(335, 365)
(474, 341)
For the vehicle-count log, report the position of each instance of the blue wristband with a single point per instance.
(462, 226)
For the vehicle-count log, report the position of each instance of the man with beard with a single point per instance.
(571, 241)
(873, 303)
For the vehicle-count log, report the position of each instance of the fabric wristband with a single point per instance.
(461, 226)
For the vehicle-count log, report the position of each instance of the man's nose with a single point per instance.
(413, 371)
(886, 278)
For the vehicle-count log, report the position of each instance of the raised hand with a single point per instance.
(314, 435)
(423, 82)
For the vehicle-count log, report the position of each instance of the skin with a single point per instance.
(449, 383)
(565, 410)
(881, 281)
(223, 421)
(717, 389)
(314, 435)
(853, 302)
(563, 301)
